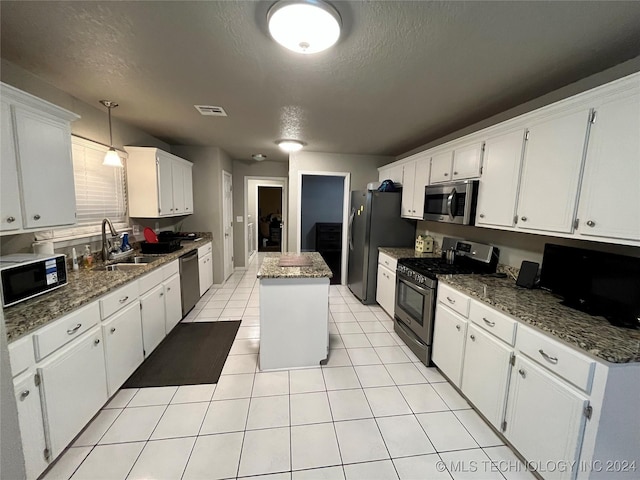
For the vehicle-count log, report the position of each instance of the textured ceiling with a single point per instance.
(402, 73)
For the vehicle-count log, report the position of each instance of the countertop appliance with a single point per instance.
(416, 286)
(453, 202)
(27, 275)
(374, 222)
(189, 281)
(597, 283)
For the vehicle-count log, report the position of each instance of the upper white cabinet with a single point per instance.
(498, 190)
(551, 172)
(37, 170)
(393, 172)
(415, 176)
(463, 162)
(609, 203)
(159, 184)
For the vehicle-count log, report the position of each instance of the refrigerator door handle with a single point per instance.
(351, 217)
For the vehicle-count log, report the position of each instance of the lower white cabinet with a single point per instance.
(386, 289)
(449, 333)
(205, 270)
(153, 318)
(122, 334)
(172, 305)
(73, 388)
(545, 419)
(31, 424)
(485, 376)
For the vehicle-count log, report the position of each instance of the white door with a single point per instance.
(177, 182)
(449, 332)
(386, 289)
(227, 223)
(10, 212)
(164, 165)
(153, 319)
(408, 178)
(188, 188)
(31, 425)
(172, 305)
(441, 167)
(466, 162)
(610, 197)
(423, 164)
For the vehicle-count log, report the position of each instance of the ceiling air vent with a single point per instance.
(211, 110)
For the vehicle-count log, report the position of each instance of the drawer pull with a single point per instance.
(458, 327)
(73, 330)
(124, 299)
(451, 300)
(24, 394)
(37, 217)
(113, 329)
(522, 373)
(472, 337)
(161, 294)
(96, 341)
(489, 322)
(11, 219)
(168, 289)
(547, 357)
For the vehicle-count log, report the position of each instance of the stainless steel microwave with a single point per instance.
(27, 275)
(451, 202)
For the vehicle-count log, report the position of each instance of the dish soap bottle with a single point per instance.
(124, 244)
(87, 258)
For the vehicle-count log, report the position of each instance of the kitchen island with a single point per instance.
(294, 310)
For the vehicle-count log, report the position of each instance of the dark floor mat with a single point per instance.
(192, 354)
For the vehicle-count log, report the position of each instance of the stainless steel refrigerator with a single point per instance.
(374, 222)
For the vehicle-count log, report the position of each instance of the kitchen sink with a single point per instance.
(120, 267)
(140, 259)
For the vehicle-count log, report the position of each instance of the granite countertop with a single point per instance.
(397, 253)
(83, 287)
(540, 309)
(270, 267)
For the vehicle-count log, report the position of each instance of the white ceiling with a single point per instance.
(402, 73)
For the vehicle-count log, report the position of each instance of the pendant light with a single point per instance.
(304, 26)
(111, 158)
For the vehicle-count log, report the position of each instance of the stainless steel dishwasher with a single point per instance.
(189, 281)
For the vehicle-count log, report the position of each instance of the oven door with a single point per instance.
(414, 307)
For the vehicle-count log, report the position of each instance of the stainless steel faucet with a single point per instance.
(106, 245)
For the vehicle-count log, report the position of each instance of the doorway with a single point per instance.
(227, 223)
(270, 219)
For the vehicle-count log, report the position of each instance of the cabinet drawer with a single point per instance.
(21, 355)
(203, 250)
(114, 301)
(388, 261)
(493, 321)
(150, 280)
(560, 359)
(453, 299)
(50, 338)
(170, 270)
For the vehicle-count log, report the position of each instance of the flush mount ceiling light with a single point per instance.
(258, 157)
(290, 145)
(111, 158)
(304, 26)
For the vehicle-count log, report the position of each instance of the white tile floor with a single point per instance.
(373, 412)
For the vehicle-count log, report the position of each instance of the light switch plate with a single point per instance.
(239, 219)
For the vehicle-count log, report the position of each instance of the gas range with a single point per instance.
(424, 271)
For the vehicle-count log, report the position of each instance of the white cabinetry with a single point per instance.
(610, 196)
(415, 178)
(551, 172)
(39, 194)
(392, 172)
(153, 318)
(386, 283)
(449, 332)
(464, 161)
(158, 184)
(441, 167)
(122, 334)
(545, 418)
(205, 268)
(74, 388)
(498, 189)
(172, 305)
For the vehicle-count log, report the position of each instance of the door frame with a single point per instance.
(345, 213)
(282, 182)
(227, 249)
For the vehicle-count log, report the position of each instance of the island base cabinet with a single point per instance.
(486, 374)
(122, 335)
(153, 318)
(449, 333)
(73, 389)
(545, 420)
(31, 425)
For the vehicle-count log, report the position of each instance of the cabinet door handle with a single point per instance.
(124, 299)
(168, 289)
(591, 223)
(24, 394)
(446, 174)
(96, 341)
(482, 215)
(455, 173)
(472, 337)
(113, 329)
(161, 294)
(489, 322)
(73, 330)
(548, 357)
(524, 219)
(451, 300)
(11, 219)
(458, 327)
(522, 373)
(36, 217)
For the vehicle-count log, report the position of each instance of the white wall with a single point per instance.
(363, 169)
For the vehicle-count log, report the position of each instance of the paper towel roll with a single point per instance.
(43, 247)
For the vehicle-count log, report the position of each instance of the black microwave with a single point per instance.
(27, 275)
(453, 202)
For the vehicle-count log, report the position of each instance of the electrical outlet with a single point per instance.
(136, 229)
